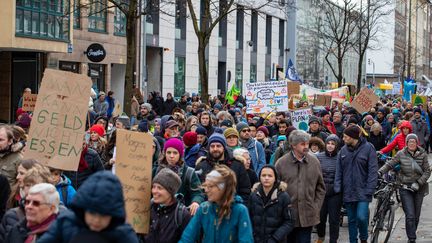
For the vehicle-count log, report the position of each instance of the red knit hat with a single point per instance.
(98, 128)
(264, 130)
(190, 139)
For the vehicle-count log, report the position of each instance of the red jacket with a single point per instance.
(399, 140)
(330, 126)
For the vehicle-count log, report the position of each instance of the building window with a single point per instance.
(254, 30)
(97, 74)
(281, 37)
(180, 20)
(152, 26)
(267, 73)
(239, 28)
(77, 14)
(179, 76)
(253, 73)
(223, 24)
(119, 22)
(69, 66)
(268, 34)
(97, 16)
(239, 77)
(42, 19)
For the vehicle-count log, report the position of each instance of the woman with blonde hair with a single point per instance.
(192, 121)
(223, 218)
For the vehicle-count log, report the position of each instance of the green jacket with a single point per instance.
(9, 163)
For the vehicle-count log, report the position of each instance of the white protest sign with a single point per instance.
(264, 97)
(300, 118)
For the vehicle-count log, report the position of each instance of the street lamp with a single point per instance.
(373, 70)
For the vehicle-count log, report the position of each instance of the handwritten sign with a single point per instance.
(300, 118)
(117, 110)
(29, 102)
(57, 128)
(365, 100)
(293, 88)
(264, 97)
(322, 100)
(134, 168)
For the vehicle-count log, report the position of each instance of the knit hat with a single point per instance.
(123, 119)
(175, 143)
(264, 130)
(352, 131)
(230, 132)
(241, 125)
(281, 138)
(217, 106)
(314, 119)
(148, 106)
(417, 110)
(201, 130)
(381, 110)
(352, 120)
(19, 112)
(411, 136)
(217, 138)
(334, 138)
(143, 126)
(347, 104)
(368, 117)
(324, 113)
(190, 139)
(289, 130)
(169, 180)
(226, 123)
(98, 128)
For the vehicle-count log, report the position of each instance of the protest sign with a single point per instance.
(419, 99)
(29, 102)
(300, 118)
(322, 100)
(117, 110)
(365, 100)
(293, 88)
(134, 168)
(57, 129)
(264, 97)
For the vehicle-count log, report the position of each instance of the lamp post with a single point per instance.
(373, 69)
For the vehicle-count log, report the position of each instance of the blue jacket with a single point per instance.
(357, 172)
(236, 228)
(65, 188)
(101, 193)
(192, 154)
(257, 155)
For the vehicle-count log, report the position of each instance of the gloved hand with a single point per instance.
(415, 186)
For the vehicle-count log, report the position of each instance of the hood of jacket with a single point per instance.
(64, 181)
(101, 193)
(406, 124)
(282, 187)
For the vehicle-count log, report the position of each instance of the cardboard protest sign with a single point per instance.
(293, 88)
(57, 128)
(29, 102)
(117, 110)
(365, 100)
(264, 97)
(322, 100)
(134, 168)
(300, 118)
(419, 99)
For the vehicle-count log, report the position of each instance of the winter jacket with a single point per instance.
(377, 141)
(94, 165)
(357, 172)
(409, 172)
(191, 155)
(100, 107)
(167, 223)
(102, 193)
(257, 154)
(319, 134)
(386, 128)
(12, 217)
(330, 127)
(268, 146)
(399, 140)
(328, 168)
(253, 178)
(235, 228)
(65, 190)
(339, 129)
(420, 128)
(190, 187)
(20, 232)
(5, 191)
(9, 162)
(272, 221)
(111, 106)
(168, 106)
(205, 165)
(305, 186)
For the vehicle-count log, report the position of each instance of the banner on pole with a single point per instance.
(59, 118)
(365, 100)
(419, 99)
(264, 97)
(29, 102)
(134, 168)
(300, 118)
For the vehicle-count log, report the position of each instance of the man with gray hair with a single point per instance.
(301, 170)
(41, 210)
(337, 121)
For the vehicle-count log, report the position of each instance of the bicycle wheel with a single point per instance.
(382, 230)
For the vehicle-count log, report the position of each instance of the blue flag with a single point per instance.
(291, 72)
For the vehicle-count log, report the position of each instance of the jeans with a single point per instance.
(300, 235)
(411, 205)
(358, 219)
(332, 207)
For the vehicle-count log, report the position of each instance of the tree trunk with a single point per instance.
(359, 73)
(131, 55)
(203, 70)
(340, 73)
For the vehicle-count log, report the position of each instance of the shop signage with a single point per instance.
(96, 52)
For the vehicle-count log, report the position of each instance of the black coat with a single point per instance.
(377, 141)
(168, 106)
(204, 166)
(5, 191)
(273, 221)
(11, 218)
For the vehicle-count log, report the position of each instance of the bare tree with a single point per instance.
(370, 18)
(336, 30)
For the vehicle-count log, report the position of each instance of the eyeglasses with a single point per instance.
(246, 130)
(34, 203)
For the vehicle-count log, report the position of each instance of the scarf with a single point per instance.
(39, 228)
(83, 165)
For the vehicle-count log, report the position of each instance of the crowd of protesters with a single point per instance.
(219, 174)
